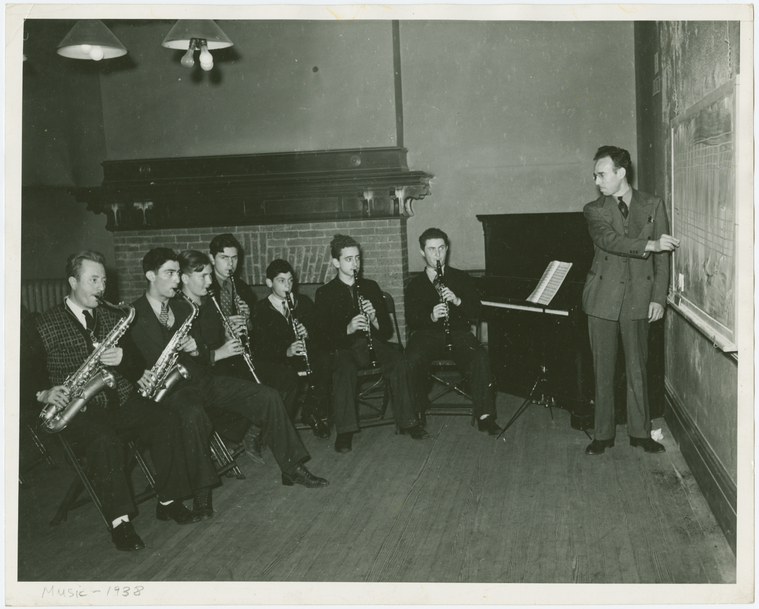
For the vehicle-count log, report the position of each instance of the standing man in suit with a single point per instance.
(430, 299)
(160, 315)
(343, 330)
(626, 289)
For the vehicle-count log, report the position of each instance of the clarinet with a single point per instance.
(447, 319)
(360, 303)
(294, 323)
(243, 338)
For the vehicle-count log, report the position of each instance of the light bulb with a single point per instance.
(96, 53)
(85, 48)
(188, 60)
(206, 59)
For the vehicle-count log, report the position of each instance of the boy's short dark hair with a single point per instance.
(339, 243)
(156, 258)
(191, 261)
(219, 242)
(74, 262)
(432, 233)
(277, 267)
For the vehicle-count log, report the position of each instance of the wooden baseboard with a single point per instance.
(713, 479)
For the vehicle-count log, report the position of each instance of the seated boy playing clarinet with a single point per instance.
(441, 304)
(353, 323)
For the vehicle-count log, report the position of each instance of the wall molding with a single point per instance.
(719, 489)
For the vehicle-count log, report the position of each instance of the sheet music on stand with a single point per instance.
(550, 282)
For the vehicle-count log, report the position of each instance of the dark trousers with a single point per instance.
(395, 367)
(604, 342)
(196, 435)
(313, 389)
(258, 404)
(470, 357)
(278, 375)
(96, 432)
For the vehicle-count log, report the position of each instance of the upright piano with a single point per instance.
(524, 337)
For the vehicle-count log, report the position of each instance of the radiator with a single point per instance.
(39, 295)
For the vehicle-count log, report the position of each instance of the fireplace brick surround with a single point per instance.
(383, 242)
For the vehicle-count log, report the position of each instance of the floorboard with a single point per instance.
(460, 507)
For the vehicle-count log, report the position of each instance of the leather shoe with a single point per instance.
(125, 538)
(649, 445)
(300, 475)
(344, 442)
(252, 444)
(597, 447)
(202, 504)
(417, 432)
(177, 512)
(489, 425)
(318, 426)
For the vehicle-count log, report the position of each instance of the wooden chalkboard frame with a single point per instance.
(688, 301)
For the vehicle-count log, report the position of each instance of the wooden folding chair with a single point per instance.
(373, 385)
(82, 482)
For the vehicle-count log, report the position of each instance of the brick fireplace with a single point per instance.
(278, 205)
(306, 246)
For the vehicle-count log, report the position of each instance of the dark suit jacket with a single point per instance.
(335, 308)
(621, 268)
(272, 334)
(243, 290)
(151, 338)
(421, 298)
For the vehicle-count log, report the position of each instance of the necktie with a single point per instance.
(286, 312)
(163, 317)
(226, 298)
(623, 207)
(89, 320)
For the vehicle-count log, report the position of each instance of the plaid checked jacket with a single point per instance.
(67, 345)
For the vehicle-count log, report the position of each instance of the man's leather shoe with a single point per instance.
(417, 432)
(344, 442)
(597, 447)
(202, 505)
(318, 426)
(125, 538)
(177, 512)
(649, 445)
(252, 444)
(300, 475)
(489, 425)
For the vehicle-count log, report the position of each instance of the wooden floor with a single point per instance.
(460, 507)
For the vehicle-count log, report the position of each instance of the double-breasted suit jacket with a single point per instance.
(622, 269)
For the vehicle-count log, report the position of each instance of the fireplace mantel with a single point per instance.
(238, 190)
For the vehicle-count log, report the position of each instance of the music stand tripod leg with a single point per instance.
(523, 407)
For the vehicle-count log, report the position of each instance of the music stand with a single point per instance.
(540, 385)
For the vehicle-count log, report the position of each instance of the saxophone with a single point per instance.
(90, 379)
(167, 372)
(242, 337)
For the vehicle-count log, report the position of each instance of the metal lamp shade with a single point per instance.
(91, 32)
(185, 30)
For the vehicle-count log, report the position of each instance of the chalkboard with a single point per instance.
(704, 213)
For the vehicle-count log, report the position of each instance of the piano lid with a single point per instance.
(522, 245)
(516, 290)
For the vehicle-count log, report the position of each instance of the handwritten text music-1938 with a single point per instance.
(82, 592)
